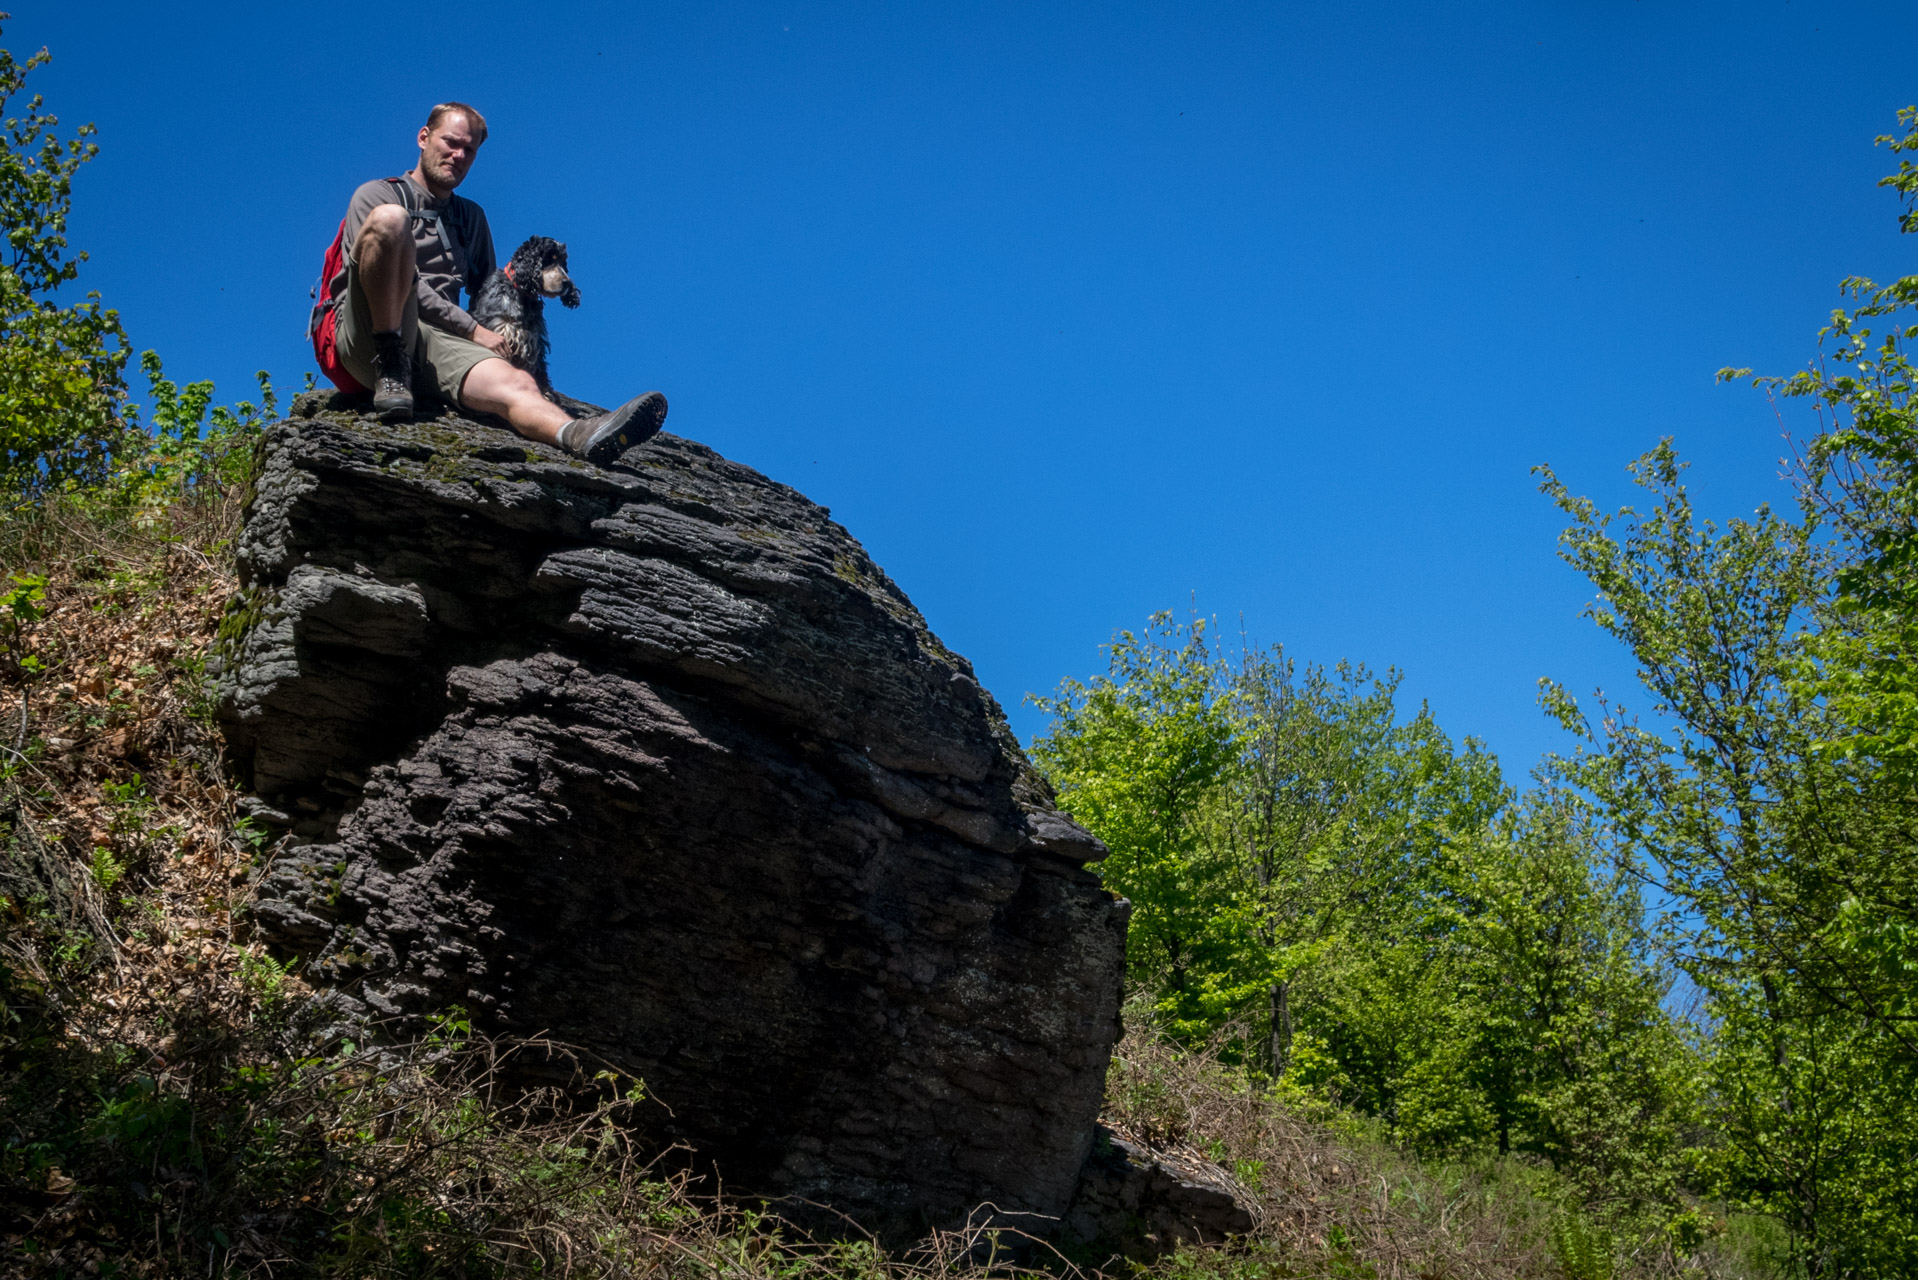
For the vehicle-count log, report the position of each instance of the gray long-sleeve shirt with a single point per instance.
(439, 281)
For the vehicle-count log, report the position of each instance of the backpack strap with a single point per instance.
(458, 215)
(439, 218)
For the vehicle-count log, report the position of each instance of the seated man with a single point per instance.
(410, 246)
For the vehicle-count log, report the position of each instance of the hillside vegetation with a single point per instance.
(1650, 1015)
(1678, 970)
(166, 1112)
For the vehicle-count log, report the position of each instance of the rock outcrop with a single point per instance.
(654, 760)
(1142, 1203)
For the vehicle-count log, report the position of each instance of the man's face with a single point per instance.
(447, 150)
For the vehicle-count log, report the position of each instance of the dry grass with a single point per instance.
(165, 1111)
(1339, 1201)
(1332, 1203)
(166, 1115)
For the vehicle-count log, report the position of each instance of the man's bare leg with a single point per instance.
(494, 386)
(384, 254)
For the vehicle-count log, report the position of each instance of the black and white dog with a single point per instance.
(512, 303)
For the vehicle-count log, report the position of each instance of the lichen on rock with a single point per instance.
(654, 760)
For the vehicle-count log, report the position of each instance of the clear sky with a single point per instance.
(1073, 312)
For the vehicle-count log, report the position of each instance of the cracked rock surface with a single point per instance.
(654, 760)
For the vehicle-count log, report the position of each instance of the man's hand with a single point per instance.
(488, 339)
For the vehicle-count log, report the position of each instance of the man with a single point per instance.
(398, 322)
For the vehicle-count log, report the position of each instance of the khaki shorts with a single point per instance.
(441, 361)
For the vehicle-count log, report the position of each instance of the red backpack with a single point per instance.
(322, 323)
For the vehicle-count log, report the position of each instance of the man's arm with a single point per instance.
(476, 237)
(440, 313)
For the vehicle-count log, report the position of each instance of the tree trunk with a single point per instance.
(1281, 1045)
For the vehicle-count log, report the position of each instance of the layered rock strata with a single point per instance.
(654, 760)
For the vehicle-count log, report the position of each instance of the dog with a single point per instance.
(512, 303)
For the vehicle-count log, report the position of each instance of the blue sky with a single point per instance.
(1073, 312)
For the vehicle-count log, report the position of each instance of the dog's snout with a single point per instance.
(560, 285)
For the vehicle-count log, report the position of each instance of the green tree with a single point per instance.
(1842, 923)
(1729, 804)
(62, 387)
(1367, 912)
(1516, 1009)
(1329, 821)
(1568, 1040)
(1858, 474)
(1135, 755)
(1253, 815)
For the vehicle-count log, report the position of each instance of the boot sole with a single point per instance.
(637, 423)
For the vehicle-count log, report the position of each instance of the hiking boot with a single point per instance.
(393, 389)
(601, 437)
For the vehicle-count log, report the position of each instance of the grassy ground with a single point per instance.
(164, 1114)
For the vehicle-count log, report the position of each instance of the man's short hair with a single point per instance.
(474, 120)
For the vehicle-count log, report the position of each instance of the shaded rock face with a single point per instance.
(654, 760)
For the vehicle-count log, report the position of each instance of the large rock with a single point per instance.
(1142, 1202)
(653, 759)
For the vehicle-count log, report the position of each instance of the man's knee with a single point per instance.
(386, 223)
(516, 386)
(497, 381)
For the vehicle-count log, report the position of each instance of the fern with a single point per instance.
(1586, 1252)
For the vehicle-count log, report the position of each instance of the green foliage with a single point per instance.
(195, 450)
(1586, 1252)
(61, 368)
(409, 1162)
(1905, 181)
(1716, 620)
(264, 979)
(1334, 812)
(61, 391)
(1135, 755)
(1363, 913)
(1771, 800)
(1858, 478)
(1759, 837)
(21, 606)
(66, 425)
(107, 869)
(36, 183)
(1516, 1011)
